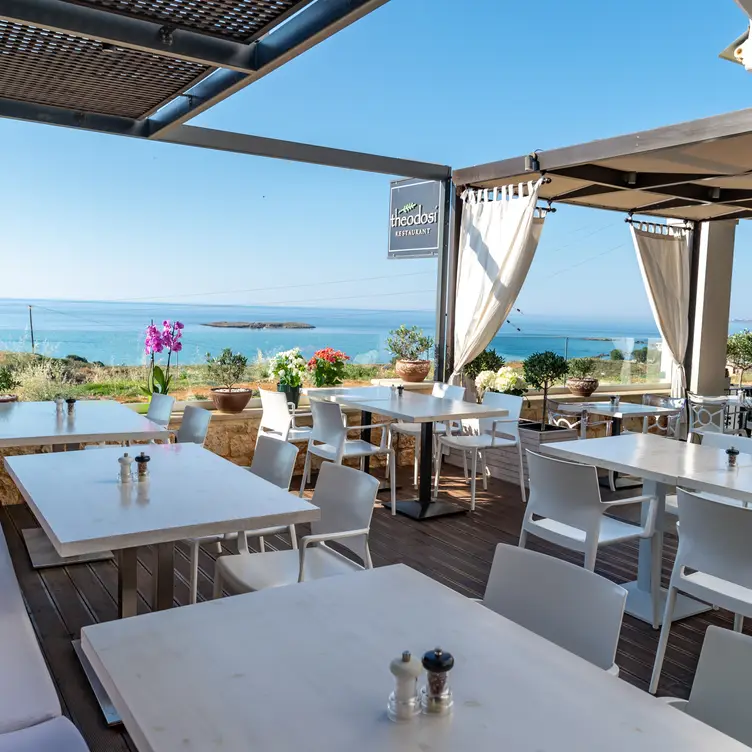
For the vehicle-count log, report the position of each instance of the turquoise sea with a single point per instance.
(113, 332)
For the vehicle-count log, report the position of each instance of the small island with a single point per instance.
(260, 325)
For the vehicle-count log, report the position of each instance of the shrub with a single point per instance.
(616, 354)
(739, 351)
(227, 369)
(640, 354)
(541, 371)
(8, 380)
(488, 360)
(76, 358)
(581, 368)
(408, 343)
(43, 380)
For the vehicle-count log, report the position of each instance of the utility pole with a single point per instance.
(31, 327)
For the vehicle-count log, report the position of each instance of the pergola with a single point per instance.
(143, 68)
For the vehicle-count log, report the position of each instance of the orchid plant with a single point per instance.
(327, 367)
(155, 343)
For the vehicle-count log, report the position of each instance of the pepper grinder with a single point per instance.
(436, 696)
(142, 463)
(125, 468)
(400, 390)
(732, 453)
(71, 405)
(404, 701)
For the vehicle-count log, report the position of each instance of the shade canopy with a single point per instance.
(700, 170)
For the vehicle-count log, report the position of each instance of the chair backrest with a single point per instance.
(714, 538)
(274, 460)
(275, 414)
(706, 413)
(448, 391)
(564, 418)
(509, 402)
(722, 684)
(346, 498)
(160, 408)
(564, 491)
(195, 425)
(570, 606)
(726, 440)
(328, 424)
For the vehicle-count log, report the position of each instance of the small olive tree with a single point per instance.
(739, 352)
(227, 369)
(541, 371)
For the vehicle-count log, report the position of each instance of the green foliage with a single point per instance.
(409, 343)
(157, 382)
(488, 360)
(640, 354)
(581, 368)
(739, 351)
(407, 208)
(227, 369)
(76, 358)
(8, 380)
(616, 354)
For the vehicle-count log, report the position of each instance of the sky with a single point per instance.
(94, 217)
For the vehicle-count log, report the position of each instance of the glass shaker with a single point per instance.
(436, 697)
(404, 701)
(732, 453)
(142, 465)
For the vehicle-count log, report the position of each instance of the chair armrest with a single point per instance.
(674, 702)
(363, 428)
(652, 511)
(502, 435)
(307, 540)
(294, 414)
(625, 502)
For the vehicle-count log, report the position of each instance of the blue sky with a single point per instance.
(89, 216)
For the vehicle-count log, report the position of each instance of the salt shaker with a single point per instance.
(142, 463)
(404, 701)
(125, 468)
(71, 401)
(436, 696)
(732, 453)
(59, 402)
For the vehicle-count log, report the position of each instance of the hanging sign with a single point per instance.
(416, 218)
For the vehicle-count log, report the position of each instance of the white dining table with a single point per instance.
(25, 424)
(411, 407)
(307, 667)
(662, 464)
(617, 413)
(190, 492)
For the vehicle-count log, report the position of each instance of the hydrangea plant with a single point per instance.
(289, 367)
(505, 380)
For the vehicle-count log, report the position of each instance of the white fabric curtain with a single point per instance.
(498, 237)
(663, 256)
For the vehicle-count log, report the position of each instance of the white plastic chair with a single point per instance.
(579, 421)
(278, 421)
(714, 545)
(160, 409)
(722, 685)
(575, 609)
(486, 433)
(329, 442)
(274, 461)
(566, 499)
(446, 391)
(346, 498)
(194, 427)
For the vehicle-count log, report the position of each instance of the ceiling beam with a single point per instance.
(129, 33)
(668, 203)
(311, 26)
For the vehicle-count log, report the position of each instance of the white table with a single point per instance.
(191, 492)
(307, 667)
(617, 413)
(411, 407)
(39, 424)
(662, 463)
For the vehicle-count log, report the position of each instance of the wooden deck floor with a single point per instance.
(455, 551)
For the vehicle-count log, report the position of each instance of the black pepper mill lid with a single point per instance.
(438, 661)
(143, 457)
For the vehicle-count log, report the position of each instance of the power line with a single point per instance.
(585, 261)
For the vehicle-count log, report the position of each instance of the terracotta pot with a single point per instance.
(412, 371)
(231, 401)
(582, 387)
(8, 398)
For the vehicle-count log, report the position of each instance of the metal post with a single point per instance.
(694, 268)
(451, 281)
(31, 327)
(440, 373)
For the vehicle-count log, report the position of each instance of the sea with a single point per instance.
(113, 332)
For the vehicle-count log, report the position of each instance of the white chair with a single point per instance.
(194, 426)
(709, 414)
(580, 421)
(714, 545)
(160, 409)
(278, 421)
(346, 498)
(566, 500)
(575, 609)
(447, 391)
(486, 433)
(274, 461)
(329, 442)
(721, 687)
(668, 425)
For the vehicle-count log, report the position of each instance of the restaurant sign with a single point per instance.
(416, 218)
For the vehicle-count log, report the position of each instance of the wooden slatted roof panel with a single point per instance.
(240, 20)
(53, 68)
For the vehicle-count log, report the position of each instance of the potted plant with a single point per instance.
(408, 344)
(227, 370)
(506, 380)
(8, 382)
(289, 368)
(581, 380)
(738, 352)
(327, 367)
(541, 371)
(156, 342)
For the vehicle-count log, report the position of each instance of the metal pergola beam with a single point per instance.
(127, 32)
(312, 25)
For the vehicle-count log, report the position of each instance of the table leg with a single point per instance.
(365, 435)
(163, 576)
(620, 484)
(646, 599)
(127, 582)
